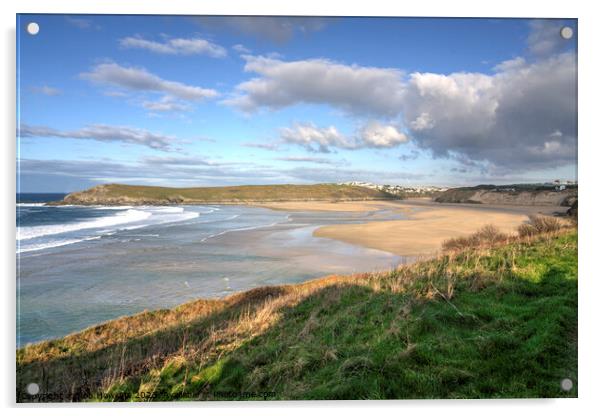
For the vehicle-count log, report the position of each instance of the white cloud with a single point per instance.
(79, 22)
(177, 161)
(500, 120)
(556, 133)
(165, 104)
(511, 64)
(274, 28)
(353, 88)
(505, 118)
(241, 49)
(324, 139)
(544, 37)
(46, 90)
(176, 46)
(118, 94)
(139, 79)
(264, 146)
(103, 133)
(422, 122)
(375, 134)
(308, 159)
(314, 138)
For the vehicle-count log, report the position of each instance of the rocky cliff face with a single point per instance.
(498, 197)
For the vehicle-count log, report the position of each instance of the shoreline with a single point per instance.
(427, 226)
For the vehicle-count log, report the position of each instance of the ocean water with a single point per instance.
(79, 266)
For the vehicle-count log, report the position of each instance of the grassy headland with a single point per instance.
(494, 317)
(115, 194)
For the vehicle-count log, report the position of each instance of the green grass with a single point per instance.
(483, 323)
(115, 193)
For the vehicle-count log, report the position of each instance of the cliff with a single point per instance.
(511, 195)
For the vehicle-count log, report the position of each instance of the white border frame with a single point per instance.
(590, 24)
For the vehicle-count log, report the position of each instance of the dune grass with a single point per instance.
(489, 321)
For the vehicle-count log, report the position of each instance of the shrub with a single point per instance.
(490, 234)
(539, 224)
(457, 243)
(486, 236)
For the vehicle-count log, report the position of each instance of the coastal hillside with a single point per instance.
(510, 195)
(114, 194)
(494, 317)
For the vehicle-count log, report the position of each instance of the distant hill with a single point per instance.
(114, 194)
(510, 195)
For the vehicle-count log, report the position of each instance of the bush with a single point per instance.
(539, 224)
(486, 236)
(490, 234)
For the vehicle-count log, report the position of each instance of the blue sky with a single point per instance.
(208, 101)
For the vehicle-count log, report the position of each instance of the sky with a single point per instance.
(211, 101)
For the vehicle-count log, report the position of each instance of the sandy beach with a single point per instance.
(428, 224)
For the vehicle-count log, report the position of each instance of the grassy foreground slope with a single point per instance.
(134, 194)
(484, 322)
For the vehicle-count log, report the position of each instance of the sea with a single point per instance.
(79, 266)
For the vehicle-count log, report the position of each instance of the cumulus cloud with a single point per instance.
(103, 133)
(315, 139)
(139, 79)
(353, 88)
(46, 90)
(324, 139)
(277, 29)
(176, 46)
(503, 120)
(375, 134)
(506, 118)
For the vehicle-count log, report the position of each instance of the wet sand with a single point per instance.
(348, 206)
(427, 226)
